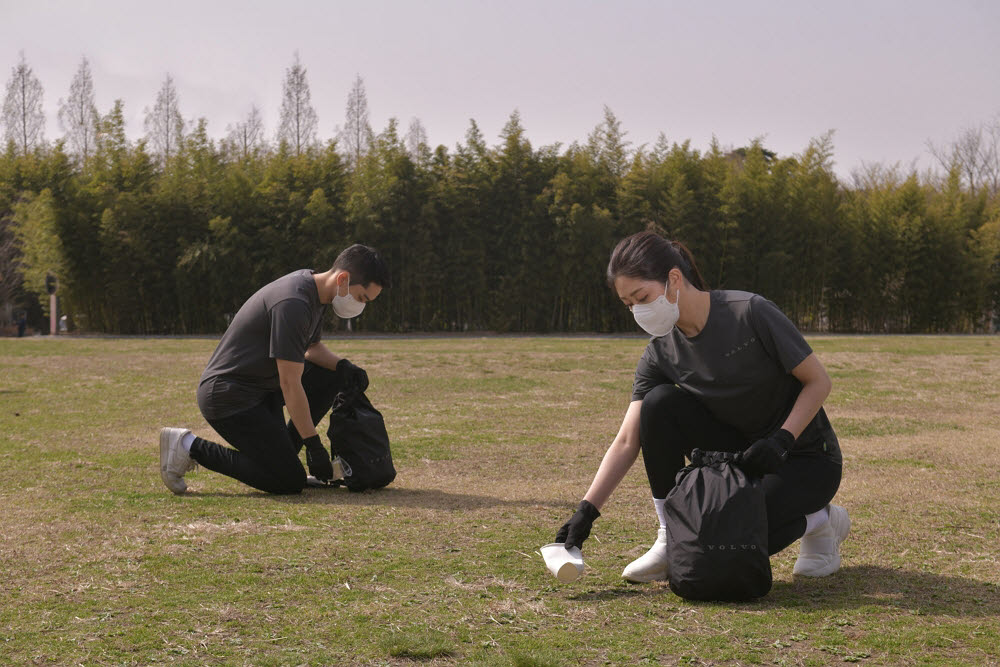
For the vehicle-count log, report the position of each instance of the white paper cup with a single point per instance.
(565, 564)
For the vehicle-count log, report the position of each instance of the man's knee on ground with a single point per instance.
(288, 479)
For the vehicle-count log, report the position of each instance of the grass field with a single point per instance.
(495, 441)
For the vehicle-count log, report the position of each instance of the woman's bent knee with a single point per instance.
(660, 406)
(664, 397)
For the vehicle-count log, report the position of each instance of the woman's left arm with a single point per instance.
(816, 386)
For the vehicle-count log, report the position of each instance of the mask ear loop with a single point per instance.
(677, 296)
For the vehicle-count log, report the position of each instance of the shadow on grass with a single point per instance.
(395, 497)
(851, 588)
(423, 498)
(866, 585)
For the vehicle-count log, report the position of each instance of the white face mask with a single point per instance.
(347, 306)
(659, 317)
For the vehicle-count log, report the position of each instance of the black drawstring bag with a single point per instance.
(358, 436)
(717, 531)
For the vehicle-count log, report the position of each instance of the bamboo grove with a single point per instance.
(504, 237)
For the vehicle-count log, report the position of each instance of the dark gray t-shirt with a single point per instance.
(280, 321)
(739, 365)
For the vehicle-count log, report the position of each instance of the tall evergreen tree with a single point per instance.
(10, 265)
(42, 253)
(608, 145)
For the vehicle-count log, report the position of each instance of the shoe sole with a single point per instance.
(165, 434)
(830, 568)
(645, 579)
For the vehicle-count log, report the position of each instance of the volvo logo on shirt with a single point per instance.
(742, 346)
(731, 547)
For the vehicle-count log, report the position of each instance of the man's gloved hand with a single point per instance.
(577, 529)
(318, 459)
(355, 377)
(767, 454)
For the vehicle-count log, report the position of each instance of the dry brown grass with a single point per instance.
(495, 440)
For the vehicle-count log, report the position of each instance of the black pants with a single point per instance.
(673, 422)
(266, 454)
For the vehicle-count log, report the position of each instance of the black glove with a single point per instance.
(577, 529)
(355, 377)
(318, 459)
(767, 454)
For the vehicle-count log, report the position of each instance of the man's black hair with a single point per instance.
(364, 264)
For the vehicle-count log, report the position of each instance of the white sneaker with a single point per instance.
(175, 461)
(651, 566)
(819, 552)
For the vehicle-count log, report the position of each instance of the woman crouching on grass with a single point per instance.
(724, 371)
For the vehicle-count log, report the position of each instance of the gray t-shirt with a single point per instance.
(739, 366)
(280, 321)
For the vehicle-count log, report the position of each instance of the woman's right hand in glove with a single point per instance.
(577, 529)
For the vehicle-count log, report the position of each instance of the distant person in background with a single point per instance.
(271, 355)
(22, 324)
(724, 371)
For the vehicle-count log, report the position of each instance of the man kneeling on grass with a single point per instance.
(271, 355)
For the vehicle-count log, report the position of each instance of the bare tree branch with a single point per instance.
(298, 123)
(357, 133)
(164, 124)
(78, 113)
(247, 136)
(416, 142)
(23, 118)
(976, 156)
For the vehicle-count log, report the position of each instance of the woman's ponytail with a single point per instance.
(692, 274)
(649, 256)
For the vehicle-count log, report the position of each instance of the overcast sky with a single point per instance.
(887, 76)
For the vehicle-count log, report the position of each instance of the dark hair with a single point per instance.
(649, 256)
(364, 264)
